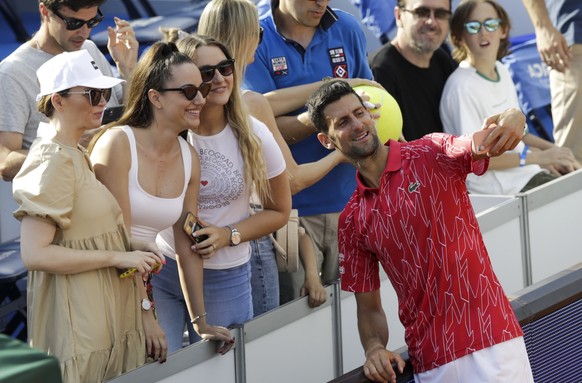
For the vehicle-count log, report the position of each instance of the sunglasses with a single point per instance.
(261, 31)
(491, 25)
(73, 24)
(190, 91)
(425, 12)
(94, 95)
(226, 68)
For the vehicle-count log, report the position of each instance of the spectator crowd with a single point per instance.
(160, 222)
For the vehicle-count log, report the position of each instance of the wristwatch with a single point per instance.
(234, 236)
(146, 304)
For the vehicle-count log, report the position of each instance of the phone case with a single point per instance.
(478, 138)
(191, 225)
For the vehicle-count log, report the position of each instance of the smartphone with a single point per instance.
(478, 139)
(112, 113)
(191, 225)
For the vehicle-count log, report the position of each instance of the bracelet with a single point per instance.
(523, 156)
(196, 319)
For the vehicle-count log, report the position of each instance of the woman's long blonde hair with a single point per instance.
(235, 23)
(238, 117)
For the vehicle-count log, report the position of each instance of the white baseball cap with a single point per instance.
(70, 69)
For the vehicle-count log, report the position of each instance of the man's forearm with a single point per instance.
(11, 164)
(294, 129)
(538, 13)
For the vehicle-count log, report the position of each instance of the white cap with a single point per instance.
(70, 69)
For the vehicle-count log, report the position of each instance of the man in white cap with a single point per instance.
(65, 27)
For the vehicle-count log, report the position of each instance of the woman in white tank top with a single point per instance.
(153, 173)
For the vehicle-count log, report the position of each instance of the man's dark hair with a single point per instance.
(402, 4)
(75, 5)
(328, 93)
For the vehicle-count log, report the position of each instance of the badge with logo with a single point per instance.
(413, 187)
(339, 63)
(279, 65)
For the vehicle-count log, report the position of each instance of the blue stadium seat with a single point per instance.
(531, 78)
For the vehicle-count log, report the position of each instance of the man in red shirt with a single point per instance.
(411, 213)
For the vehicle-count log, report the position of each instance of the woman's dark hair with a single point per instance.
(153, 71)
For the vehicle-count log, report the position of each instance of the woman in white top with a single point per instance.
(155, 174)
(482, 86)
(237, 153)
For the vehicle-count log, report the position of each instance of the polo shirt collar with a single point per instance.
(393, 164)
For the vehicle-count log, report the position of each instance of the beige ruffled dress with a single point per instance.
(90, 321)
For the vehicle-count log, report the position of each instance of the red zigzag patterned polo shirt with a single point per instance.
(420, 226)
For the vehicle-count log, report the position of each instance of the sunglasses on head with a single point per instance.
(94, 95)
(225, 67)
(425, 12)
(491, 25)
(190, 91)
(73, 24)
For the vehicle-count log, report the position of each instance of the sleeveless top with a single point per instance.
(151, 214)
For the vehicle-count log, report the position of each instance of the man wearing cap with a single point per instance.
(304, 42)
(65, 27)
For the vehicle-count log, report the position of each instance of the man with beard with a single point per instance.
(414, 67)
(65, 27)
(411, 214)
(305, 42)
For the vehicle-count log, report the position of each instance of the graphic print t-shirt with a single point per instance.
(224, 196)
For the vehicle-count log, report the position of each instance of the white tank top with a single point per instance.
(151, 214)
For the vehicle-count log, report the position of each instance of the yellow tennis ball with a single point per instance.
(389, 124)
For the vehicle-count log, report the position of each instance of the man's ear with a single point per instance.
(325, 141)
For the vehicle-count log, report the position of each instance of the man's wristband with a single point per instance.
(523, 156)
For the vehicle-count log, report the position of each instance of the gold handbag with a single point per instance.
(286, 243)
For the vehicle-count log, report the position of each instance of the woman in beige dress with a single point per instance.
(73, 239)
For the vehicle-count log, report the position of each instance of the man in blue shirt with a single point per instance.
(305, 41)
(558, 26)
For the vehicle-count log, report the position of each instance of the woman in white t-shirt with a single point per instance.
(237, 152)
(481, 86)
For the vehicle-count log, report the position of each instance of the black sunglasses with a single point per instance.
(425, 12)
(490, 25)
(94, 95)
(190, 91)
(261, 31)
(225, 67)
(73, 24)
